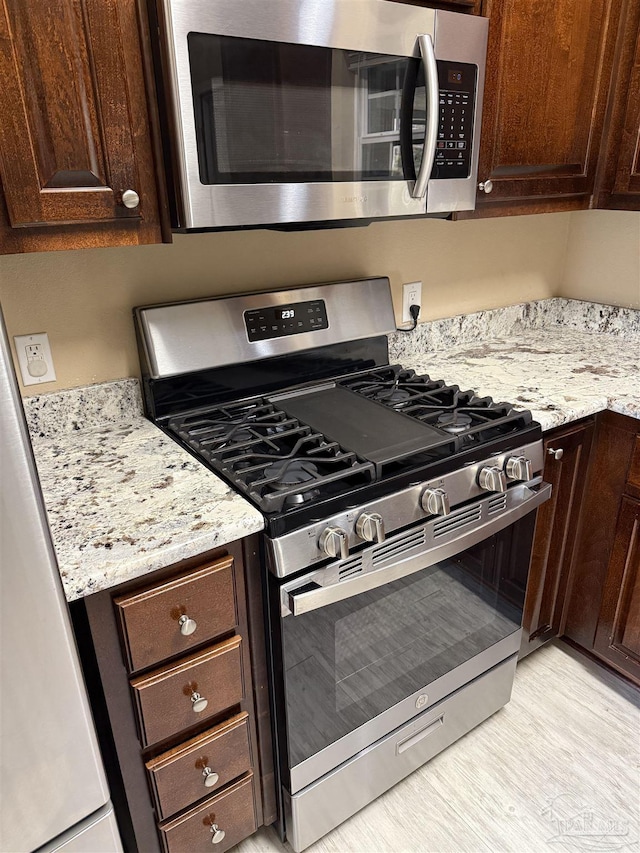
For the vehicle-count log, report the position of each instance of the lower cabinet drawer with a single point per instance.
(188, 692)
(201, 766)
(217, 824)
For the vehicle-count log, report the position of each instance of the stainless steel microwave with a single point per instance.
(298, 112)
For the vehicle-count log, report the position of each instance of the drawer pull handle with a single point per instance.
(217, 835)
(130, 199)
(557, 454)
(187, 625)
(198, 702)
(210, 777)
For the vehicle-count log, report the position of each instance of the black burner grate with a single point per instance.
(275, 459)
(472, 419)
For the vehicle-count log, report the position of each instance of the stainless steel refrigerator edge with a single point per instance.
(53, 790)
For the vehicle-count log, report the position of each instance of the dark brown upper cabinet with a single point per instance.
(618, 184)
(548, 70)
(75, 130)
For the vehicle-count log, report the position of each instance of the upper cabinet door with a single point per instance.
(75, 146)
(619, 182)
(548, 70)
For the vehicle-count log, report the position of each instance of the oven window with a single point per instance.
(272, 112)
(348, 662)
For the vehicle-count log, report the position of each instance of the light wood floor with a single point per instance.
(558, 769)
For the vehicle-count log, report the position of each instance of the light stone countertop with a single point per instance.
(559, 375)
(123, 499)
(524, 355)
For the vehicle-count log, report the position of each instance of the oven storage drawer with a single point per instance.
(232, 812)
(325, 804)
(201, 766)
(182, 695)
(171, 618)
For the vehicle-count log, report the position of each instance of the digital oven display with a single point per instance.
(265, 323)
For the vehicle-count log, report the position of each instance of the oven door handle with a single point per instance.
(430, 66)
(312, 596)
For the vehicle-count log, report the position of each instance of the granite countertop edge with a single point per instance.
(124, 500)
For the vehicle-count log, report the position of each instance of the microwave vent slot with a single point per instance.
(456, 520)
(497, 504)
(349, 568)
(390, 550)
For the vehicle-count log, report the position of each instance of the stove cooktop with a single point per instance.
(313, 451)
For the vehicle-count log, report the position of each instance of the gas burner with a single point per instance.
(294, 472)
(290, 472)
(392, 395)
(454, 422)
(235, 434)
(395, 387)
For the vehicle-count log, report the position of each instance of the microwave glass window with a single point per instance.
(272, 112)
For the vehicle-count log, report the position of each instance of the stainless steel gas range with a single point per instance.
(399, 517)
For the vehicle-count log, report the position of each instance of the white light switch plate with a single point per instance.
(34, 358)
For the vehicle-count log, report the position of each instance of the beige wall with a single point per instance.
(83, 299)
(603, 257)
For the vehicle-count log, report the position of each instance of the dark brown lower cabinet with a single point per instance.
(566, 459)
(183, 722)
(618, 630)
(601, 613)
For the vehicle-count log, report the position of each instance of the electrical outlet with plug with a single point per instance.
(411, 295)
(34, 358)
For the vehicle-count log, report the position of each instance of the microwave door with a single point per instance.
(307, 133)
(287, 112)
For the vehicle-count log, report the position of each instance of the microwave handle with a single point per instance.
(313, 596)
(433, 97)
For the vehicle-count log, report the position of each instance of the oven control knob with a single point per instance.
(518, 468)
(370, 527)
(435, 502)
(334, 542)
(492, 479)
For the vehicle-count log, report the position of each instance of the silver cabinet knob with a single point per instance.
(557, 454)
(334, 542)
(217, 835)
(370, 527)
(198, 702)
(485, 186)
(210, 777)
(130, 199)
(435, 502)
(492, 479)
(519, 468)
(187, 625)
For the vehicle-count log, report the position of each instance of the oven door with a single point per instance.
(289, 112)
(368, 643)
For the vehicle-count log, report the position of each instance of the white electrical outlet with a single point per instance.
(34, 358)
(411, 295)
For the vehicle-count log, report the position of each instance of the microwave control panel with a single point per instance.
(262, 324)
(457, 83)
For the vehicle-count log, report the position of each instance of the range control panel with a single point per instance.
(457, 83)
(265, 323)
